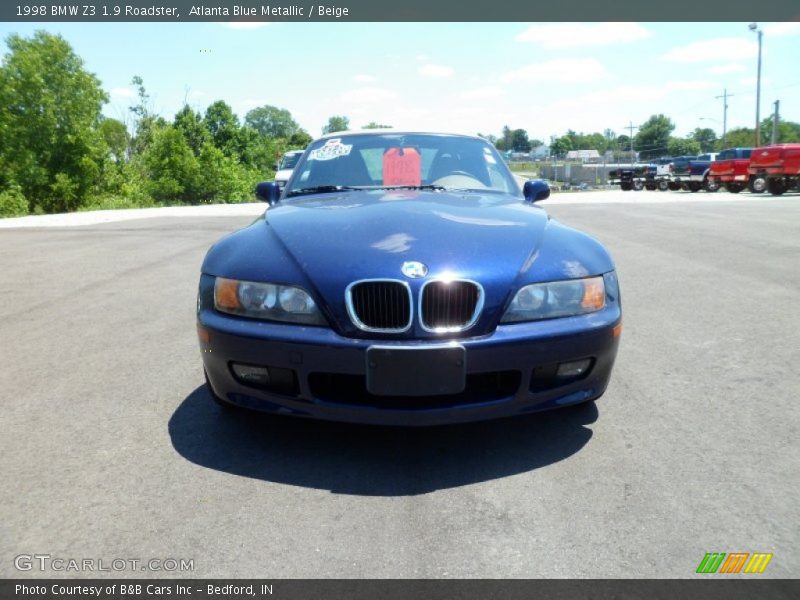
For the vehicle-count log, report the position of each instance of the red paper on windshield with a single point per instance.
(402, 166)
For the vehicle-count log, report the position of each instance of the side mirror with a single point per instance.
(535, 190)
(268, 191)
(276, 166)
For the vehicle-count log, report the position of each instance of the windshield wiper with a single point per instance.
(436, 188)
(322, 189)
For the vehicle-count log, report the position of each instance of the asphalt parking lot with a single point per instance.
(111, 447)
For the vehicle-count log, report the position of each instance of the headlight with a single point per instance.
(556, 299)
(267, 301)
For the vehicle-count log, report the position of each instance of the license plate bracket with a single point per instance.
(398, 371)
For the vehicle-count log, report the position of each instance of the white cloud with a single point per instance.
(367, 95)
(578, 35)
(423, 57)
(628, 94)
(363, 78)
(432, 70)
(781, 29)
(564, 70)
(728, 68)
(245, 24)
(482, 93)
(719, 49)
(122, 92)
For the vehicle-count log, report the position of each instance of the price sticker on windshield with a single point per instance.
(402, 166)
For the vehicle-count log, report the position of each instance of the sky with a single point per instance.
(461, 77)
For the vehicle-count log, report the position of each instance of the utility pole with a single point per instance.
(631, 127)
(725, 96)
(754, 28)
(775, 118)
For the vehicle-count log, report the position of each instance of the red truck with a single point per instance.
(731, 170)
(780, 164)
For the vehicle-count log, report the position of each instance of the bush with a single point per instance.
(113, 202)
(13, 203)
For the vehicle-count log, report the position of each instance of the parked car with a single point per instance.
(285, 167)
(405, 278)
(679, 176)
(779, 164)
(731, 170)
(698, 169)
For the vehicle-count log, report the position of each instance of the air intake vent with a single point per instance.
(449, 306)
(382, 305)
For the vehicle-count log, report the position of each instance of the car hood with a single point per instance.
(325, 242)
(359, 235)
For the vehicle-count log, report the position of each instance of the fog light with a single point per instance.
(251, 374)
(573, 370)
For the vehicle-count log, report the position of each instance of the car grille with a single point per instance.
(450, 305)
(380, 305)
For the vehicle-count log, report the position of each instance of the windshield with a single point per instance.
(401, 160)
(289, 161)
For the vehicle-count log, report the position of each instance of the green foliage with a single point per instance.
(221, 178)
(682, 147)
(13, 203)
(653, 136)
(223, 125)
(50, 144)
(336, 123)
(519, 141)
(191, 125)
(172, 169)
(374, 125)
(560, 146)
(116, 137)
(741, 137)
(788, 131)
(300, 140)
(705, 137)
(271, 121)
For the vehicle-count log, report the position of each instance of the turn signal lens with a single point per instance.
(594, 294)
(226, 293)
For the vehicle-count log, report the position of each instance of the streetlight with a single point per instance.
(754, 28)
(720, 123)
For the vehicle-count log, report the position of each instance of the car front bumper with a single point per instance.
(508, 372)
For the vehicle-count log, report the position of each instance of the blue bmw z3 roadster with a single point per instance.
(405, 278)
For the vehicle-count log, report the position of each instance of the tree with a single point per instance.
(653, 136)
(374, 125)
(560, 146)
(788, 131)
(116, 137)
(336, 123)
(519, 141)
(223, 126)
(300, 140)
(740, 137)
(50, 107)
(145, 122)
(271, 121)
(682, 147)
(705, 137)
(191, 125)
(172, 168)
(505, 142)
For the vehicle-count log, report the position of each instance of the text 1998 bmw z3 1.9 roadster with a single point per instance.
(404, 278)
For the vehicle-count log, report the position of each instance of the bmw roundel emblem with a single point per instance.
(414, 269)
